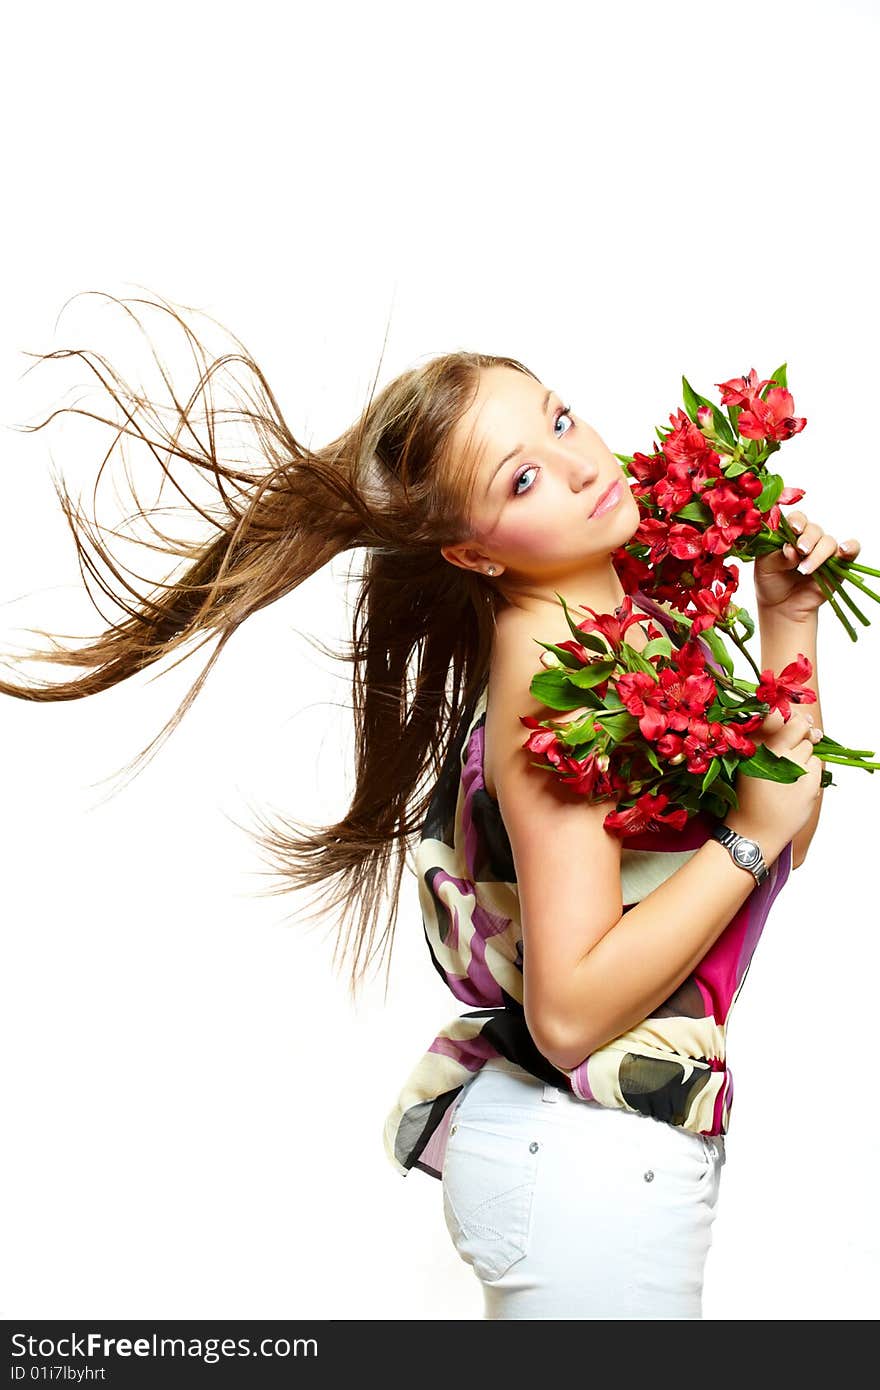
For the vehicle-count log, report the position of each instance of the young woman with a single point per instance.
(576, 1114)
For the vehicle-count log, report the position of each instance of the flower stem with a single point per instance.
(738, 642)
(855, 565)
(836, 581)
(836, 606)
(845, 762)
(843, 570)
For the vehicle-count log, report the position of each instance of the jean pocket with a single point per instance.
(489, 1177)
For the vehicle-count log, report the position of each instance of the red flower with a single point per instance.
(704, 742)
(589, 776)
(712, 606)
(632, 572)
(655, 534)
(685, 542)
(686, 444)
(670, 745)
(691, 659)
(542, 741)
(731, 506)
(670, 702)
(647, 814)
(786, 497)
(577, 649)
(648, 468)
(772, 418)
(742, 390)
(611, 625)
(737, 740)
(787, 688)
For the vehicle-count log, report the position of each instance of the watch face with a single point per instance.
(747, 853)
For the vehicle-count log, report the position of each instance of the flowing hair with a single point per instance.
(393, 486)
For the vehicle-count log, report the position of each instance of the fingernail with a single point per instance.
(802, 546)
(804, 567)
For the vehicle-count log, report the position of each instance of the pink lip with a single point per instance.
(610, 498)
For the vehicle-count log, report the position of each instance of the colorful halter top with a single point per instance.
(671, 1066)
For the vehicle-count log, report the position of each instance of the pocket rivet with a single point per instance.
(649, 1176)
(533, 1147)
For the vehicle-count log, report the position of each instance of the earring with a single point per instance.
(491, 569)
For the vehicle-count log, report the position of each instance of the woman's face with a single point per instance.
(531, 511)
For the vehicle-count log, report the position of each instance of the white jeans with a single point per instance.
(568, 1209)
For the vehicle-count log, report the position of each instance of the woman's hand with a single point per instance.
(781, 586)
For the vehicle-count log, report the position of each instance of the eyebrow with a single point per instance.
(518, 450)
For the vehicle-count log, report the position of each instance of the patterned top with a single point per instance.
(671, 1066)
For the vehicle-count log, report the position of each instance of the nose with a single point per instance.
(583, 473)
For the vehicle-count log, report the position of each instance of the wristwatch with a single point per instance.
(744, 852)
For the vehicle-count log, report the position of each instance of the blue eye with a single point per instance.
(530, 468)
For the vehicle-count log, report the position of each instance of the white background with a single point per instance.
(615, 194)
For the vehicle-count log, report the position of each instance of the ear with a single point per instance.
(465, 556)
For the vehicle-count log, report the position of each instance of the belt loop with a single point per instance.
(550, 1092)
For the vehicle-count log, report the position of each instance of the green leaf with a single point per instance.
(722, 428)
(744, 617)
(625, 458)
(587, 639)
(652, 757)
(692, 401)
(727, 794)
(711, 773)
(765, 763)
(580, 732)
(713, 640)
(771, 491)
(733, 469)
(694, 511)
(591, 675)
(661, 645)
(778, 378)
(636, 661)
(554, 689)
(619, 726)
(730, 765)
(566, 657)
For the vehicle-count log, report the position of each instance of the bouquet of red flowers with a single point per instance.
(662, 732)
(707, 497)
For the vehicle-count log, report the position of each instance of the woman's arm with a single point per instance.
(592, 971)
(781, 640)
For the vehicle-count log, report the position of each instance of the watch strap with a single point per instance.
(730, 838)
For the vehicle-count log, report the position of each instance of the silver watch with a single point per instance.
(744, 852)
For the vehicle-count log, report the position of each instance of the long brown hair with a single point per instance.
(392, 486)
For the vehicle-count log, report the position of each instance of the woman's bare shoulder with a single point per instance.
(516, 659)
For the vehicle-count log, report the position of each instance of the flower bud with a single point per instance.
(550, 660)
(679, 758)
(706, 420)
